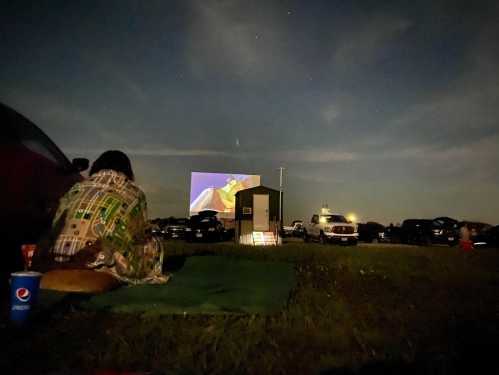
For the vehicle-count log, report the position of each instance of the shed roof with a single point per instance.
(259, 188)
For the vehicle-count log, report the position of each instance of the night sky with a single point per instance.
(386, 109)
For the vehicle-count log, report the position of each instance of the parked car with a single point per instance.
(481, 233)
(175, 228)
(34, 174)
(156, 230)
(298, 230)
(416, 231)
(491, 237)
(371, 232)
(205, 227)
(330, 227)
(445, 230)
(391, 234)
(476, 227)
(289, 231)
(441, 230)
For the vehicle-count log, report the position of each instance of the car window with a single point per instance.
(438, 223)
(336, 219)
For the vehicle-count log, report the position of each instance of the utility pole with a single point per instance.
(281, 169)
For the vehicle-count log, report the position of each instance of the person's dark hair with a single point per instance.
(115, 160)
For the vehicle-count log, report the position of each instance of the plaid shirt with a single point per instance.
(107, 206)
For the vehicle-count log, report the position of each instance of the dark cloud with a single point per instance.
(386, 108)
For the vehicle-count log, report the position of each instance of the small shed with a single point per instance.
(257, 216)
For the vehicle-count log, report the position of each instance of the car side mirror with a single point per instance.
(80, 164)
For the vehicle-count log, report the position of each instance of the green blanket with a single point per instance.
(208, 285)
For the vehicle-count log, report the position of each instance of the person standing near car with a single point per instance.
(465, 242)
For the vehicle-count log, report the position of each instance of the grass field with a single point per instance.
(354, 310)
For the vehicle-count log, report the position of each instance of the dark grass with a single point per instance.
(354, 310)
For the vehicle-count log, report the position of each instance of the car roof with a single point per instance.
(416, 221)
(446, 218)
(17, 127)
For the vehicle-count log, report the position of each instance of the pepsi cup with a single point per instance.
(24, 288)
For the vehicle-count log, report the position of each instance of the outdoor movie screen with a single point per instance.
(217, 191)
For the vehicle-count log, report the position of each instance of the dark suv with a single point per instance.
(371, 231)
(34, 174)
(489, 238)
(416, 231)
(442, 230)
(205, 227)
(175, 228)
(445, 230)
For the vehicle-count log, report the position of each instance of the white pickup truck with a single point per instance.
(329, 227)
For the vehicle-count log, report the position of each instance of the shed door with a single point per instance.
(261, 212)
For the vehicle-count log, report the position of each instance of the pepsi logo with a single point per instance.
(23, 294)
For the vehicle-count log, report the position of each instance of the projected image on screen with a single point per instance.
(216, 191)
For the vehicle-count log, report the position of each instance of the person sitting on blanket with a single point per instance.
(101, 224)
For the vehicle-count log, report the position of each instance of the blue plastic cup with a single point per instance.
(24, 288)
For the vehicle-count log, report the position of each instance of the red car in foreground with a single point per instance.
(34, 174)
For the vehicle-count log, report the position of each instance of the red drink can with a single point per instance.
(28, 251)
